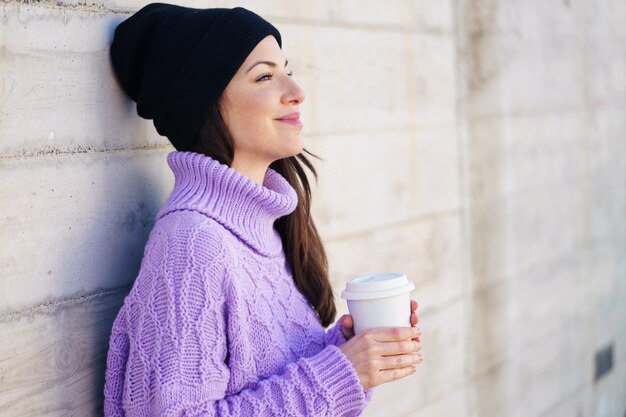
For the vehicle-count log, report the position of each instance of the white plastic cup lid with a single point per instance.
(373, 286)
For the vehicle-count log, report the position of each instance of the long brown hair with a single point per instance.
(302, 244)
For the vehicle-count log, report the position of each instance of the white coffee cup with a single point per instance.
(379, 300)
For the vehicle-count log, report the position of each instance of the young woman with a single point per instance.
(227, 314)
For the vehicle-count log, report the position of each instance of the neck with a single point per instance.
(248, 209)
(253, 170)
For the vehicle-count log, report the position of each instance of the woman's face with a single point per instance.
(253, 102)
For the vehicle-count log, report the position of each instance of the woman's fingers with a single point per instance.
(347, 326)
(390, 368)
(384, 354)
(414, 318)
(346, 322)
(403, 347)
(389, 375)
(400, 361)
(393, 334)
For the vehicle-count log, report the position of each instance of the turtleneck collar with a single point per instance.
(244, 207)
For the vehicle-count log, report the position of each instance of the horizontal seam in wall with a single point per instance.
(537, 112)
(386, 27)
(52, 306)
(429, 310)
(551, 187)
(564, 399)
(60, 5)
(526, 272)
(50, 151)
(466, 384)
(444, 124)
(410, 220)
(526, 350)
(360, 26)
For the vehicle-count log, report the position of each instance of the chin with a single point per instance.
(288, 155)
(297, 148)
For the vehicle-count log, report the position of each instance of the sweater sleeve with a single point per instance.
(178, 349)
(322, 385)
(334, 336)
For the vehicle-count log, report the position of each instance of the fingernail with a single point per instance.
(413, 368)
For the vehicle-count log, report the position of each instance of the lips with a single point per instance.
(291, 118)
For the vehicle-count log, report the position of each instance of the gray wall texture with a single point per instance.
(477, 145)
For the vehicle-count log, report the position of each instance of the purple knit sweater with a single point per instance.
(214, 325)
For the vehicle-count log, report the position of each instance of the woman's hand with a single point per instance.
(384, 354)
(347, 324)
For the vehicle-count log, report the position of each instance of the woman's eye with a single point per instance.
(269, 76)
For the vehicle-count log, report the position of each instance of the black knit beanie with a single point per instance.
(175, 61)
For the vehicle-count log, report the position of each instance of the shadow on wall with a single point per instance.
(130, 195)
(83, 213)
(130, 222)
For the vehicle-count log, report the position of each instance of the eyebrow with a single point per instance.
(270, 63)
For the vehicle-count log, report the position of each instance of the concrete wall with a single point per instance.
(477, 145)
(544, 105)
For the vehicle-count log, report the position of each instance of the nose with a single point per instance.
(294, 93)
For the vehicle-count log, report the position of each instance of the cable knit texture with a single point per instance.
(214, 324)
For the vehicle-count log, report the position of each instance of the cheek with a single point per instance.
(256, 111)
